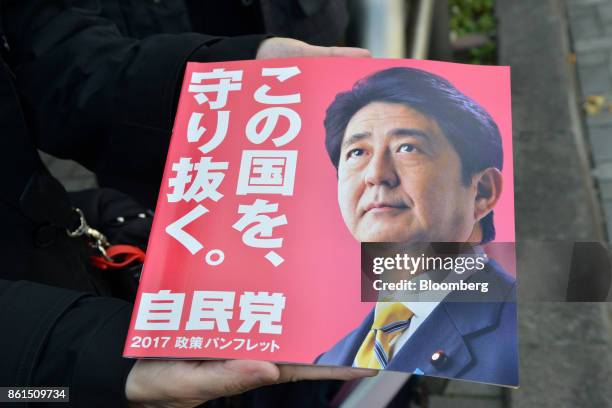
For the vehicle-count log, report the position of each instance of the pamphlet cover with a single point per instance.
(337, 211)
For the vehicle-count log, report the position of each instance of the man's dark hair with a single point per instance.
(468, 127)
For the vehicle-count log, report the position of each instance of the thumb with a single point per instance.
(230, 377)
(181, 384)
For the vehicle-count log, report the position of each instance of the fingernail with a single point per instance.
(364, 371)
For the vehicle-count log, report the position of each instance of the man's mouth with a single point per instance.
(383, 207)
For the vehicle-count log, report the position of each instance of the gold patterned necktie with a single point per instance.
(390, 320)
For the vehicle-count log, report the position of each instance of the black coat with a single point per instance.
(50, 336)
(320, 22)
(93, 95)
(81, 89)
(99, 82)
(113, 103)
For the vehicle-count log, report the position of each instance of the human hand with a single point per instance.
(279, 47)
(185, 384)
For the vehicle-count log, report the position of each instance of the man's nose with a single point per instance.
(381, 170)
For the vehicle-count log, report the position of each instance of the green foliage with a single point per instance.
(475, 16)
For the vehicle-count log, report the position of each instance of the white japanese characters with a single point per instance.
(262, 172)
(211, 310)
(205, 178)
(267, 172)
(260, 226)
(160, 311)
(200, 180)
(227, 81)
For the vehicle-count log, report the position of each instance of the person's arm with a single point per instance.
(108, 101)
(95, 96)
(58, 337)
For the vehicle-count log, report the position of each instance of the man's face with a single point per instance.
(399, 179)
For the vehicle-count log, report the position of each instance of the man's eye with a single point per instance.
(407, 148)
(354, 153)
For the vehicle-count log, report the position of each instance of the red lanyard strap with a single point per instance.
(120, 256)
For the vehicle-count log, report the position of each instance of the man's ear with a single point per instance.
(488, 190)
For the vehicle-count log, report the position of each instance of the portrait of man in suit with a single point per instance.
(420, 162)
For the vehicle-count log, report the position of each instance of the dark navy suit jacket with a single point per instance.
(479, 337)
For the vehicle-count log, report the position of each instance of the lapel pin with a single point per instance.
(439, 359)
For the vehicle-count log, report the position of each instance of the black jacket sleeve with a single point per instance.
(58, 337)
(95, 96)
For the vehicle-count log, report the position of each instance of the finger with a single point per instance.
(290, 372)
(230, 377)
(350, 52)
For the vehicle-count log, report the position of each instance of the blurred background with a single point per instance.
(560, 52)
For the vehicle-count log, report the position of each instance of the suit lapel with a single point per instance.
(437, 332)
(446, 328)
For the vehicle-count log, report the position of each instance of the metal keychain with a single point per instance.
(97, 240)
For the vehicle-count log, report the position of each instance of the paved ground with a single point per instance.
(563, 191)
(591, 33)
